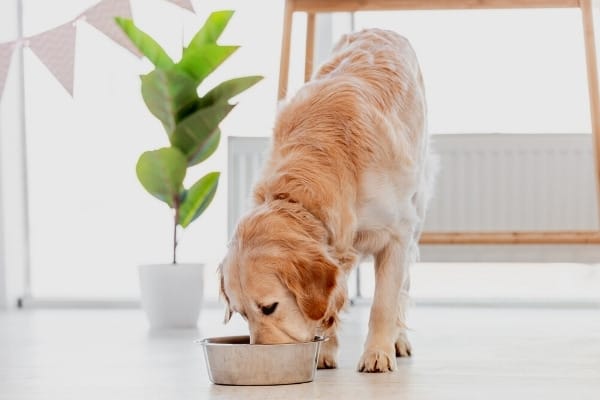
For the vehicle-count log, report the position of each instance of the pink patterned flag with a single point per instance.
(56, 49)
(6, 50)
(102, 17)
(187, 4)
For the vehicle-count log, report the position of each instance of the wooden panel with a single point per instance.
(310, 46)
(286, 41)
(593, 84)
(565, 237)
(373, 5)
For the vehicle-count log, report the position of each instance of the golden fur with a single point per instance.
(348, 176)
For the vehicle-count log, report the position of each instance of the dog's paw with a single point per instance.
(403, 347)
(328, 355)
(377, 360)
(327, 361)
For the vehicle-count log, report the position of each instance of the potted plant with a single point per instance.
(171, 294)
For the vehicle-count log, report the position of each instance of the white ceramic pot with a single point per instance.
(172, 294)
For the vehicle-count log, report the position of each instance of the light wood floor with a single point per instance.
(465, 353)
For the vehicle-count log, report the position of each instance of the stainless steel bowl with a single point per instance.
(234, 361)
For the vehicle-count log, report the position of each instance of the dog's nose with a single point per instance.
(270, 337)
(265, 339)
(262, 336)
(256, 337)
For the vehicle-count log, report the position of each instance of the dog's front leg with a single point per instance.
(391, 272)
(329, 349)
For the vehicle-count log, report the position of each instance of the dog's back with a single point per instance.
(368, 96)
(382, 59)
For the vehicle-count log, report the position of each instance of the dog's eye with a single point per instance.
(268, 310)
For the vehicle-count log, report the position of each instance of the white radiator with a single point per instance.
(486, 182)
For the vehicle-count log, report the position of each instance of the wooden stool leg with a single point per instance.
(310, 46)
(284, 66)
(593, 84)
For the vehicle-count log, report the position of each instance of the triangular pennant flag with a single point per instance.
(56, 49)
(6, 50)
(102, 17)
(187, 4)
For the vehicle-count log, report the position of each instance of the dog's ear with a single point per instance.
(311, 281)
(228, 312)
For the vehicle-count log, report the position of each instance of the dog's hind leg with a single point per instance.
(402, 345)
(420, 202)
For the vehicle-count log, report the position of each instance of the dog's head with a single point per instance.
(277, 274)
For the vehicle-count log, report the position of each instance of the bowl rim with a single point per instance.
(206, 341)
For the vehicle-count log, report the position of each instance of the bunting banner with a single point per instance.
(187, 4)
(56, 49)
(102, 17)
(6, 50)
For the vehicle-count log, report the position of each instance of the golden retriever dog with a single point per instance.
(348, 176)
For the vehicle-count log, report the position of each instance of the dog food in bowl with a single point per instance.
(234, 361)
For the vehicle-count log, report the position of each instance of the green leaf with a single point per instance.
(161, 172)
(169, 95)
(200, 61)
(197, 136)
(213, 27)
(145, 43)
(228, 89)
(206, 149)
(197, 198)
(203, 55)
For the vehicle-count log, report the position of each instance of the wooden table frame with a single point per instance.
(313, 7)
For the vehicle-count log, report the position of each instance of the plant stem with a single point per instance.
(175, 233)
